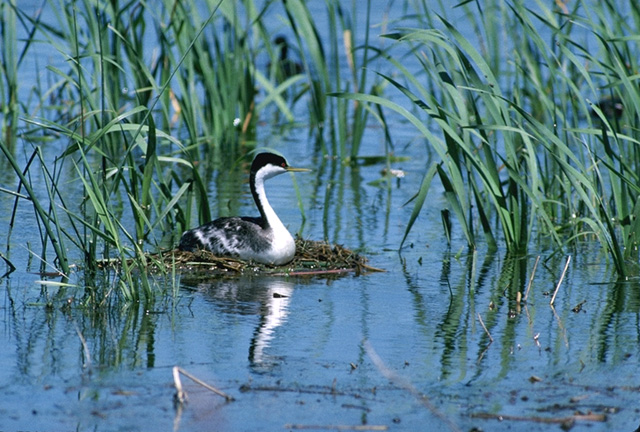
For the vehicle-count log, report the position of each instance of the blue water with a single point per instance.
(299, 351)
(403, 349)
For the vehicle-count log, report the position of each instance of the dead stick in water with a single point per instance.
(566, 266)
(338, 427)
(484, 327)
(533, 272)
(546, 420)
(182, 395)
(406, 385)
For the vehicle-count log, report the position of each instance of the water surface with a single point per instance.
(405, 349)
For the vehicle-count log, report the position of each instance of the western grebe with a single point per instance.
(285, 67)
(612, 108)
(264, 239)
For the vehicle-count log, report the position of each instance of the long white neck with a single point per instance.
(269, 216)
(283, 247)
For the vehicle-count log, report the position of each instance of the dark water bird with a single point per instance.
(286, 67)
(263, 239)
(611, 107)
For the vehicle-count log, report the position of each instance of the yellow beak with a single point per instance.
(292, 169)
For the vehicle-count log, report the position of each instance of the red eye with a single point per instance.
(283, 164)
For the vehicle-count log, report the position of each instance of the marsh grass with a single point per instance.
(524, 150)
(9, 63)
(149, 102)
(336, 63)
(108, 91)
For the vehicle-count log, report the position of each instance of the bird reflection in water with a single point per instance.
(268, 298)
(274, 311)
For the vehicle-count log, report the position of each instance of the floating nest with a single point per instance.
(313, 258)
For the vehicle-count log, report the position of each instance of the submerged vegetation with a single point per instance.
(148, 101)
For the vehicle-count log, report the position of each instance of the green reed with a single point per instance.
(337, 124)
(524, 151)
(122, 162)
(149, 101)
(9, 61)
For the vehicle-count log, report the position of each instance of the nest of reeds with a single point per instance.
(313, 258)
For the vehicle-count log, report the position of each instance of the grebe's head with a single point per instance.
(267, 165)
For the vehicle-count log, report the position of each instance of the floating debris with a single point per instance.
(313, 258)
(397, 173)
